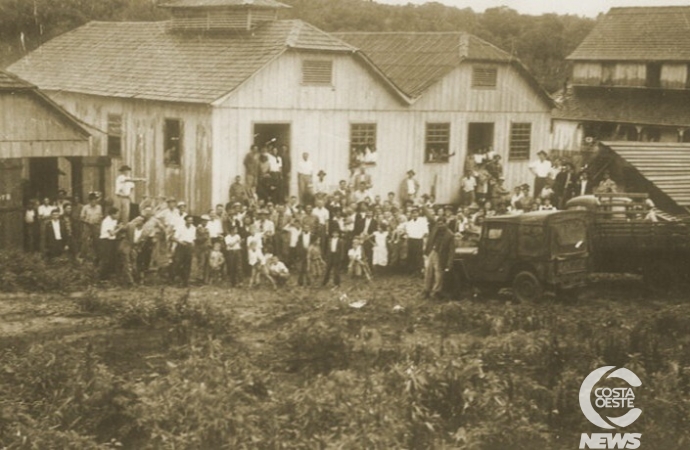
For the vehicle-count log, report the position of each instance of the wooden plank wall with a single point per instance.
(30, 129)
(320, 119)
(142, 125)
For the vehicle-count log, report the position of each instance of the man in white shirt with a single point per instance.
(541, 170)
(124, 185)
(182, 260)
(108, 243)
(410, 188)
(416, 229)
(305, 178)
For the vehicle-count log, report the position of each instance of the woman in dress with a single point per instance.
(380, 251)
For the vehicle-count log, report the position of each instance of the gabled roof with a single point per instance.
(620, 105)
(415, 61)
(144, 60)
(221, 3)
(639, 34)
(666, 165)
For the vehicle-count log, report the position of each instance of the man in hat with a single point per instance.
(409, 188)
(440, 249)
(321, 186)
(124, 185)
(416, 229)
(607, 185)
(202, 248)
(57, 235)
(91, 216)
(564, 185)
(541, 168)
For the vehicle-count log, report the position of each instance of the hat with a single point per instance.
(474, 206)
(171, 199)
(125, 168)
(205, 217)
(321, 172)
(542, 152)
(93, 196)
(411, 172)
(181, 203)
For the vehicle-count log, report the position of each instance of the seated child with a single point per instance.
(278, 271)
(257, 261)
(358, 265)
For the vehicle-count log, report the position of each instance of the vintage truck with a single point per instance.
(529, 252)
(629, 235)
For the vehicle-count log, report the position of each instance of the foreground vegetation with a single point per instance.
(213, 368)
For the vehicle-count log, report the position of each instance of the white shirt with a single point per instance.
(255, 257)
(215, 228)
(305, 167)
(30, 216)
(233, 241)
(334, 245)
(411, 187)
(305, 239)
(320, 186)
(469, 184)
(583, 187)
(56, 229)
(275, 164)
(294, 234)
(322, 214)
(541, 169)
(355, 253)
(267, 227)
(255, 238)
(108, 227)
(123, 187)
(44, 211)
(186, 234)
(137, 234)
(417, 228)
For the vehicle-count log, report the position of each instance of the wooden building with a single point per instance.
(183, 100)
(43, 148)
(630, 80)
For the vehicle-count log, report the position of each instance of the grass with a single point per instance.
(213, 367)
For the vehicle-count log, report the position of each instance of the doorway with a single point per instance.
(278, 135)
(43, 178)
(480, 136)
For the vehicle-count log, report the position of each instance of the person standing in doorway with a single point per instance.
(305, 179)
(124, 185)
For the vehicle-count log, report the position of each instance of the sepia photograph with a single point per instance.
(344, 224)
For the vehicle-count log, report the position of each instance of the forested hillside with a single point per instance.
(541, 42)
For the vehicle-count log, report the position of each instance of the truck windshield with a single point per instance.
(570, 237)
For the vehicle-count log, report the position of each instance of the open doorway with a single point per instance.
(44, 176)
(278, 135)
(480, 136)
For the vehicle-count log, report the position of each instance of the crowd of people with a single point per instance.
(263, 235)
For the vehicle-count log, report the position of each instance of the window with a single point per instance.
(172, 139)
(362, 144)
(608, 71)
(654, 75)
(484, 77)
(437, 142)
(114, 135)
(317, 72)
(520, 141)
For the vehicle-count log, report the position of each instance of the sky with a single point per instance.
(589, 8)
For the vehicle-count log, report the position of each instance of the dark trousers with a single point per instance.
(55, 248)
(539, 184)
(333, 264)
(415, 255)
(182, 262)
(233, 264)
(303, 267)
(107, 257)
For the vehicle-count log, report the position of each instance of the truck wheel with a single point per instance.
(527, 287)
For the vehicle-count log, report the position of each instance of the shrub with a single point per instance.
(30, 272)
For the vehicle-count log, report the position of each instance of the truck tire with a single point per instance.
(527, 287)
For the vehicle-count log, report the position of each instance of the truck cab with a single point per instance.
(529, 252)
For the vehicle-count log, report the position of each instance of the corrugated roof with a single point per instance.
(415, 61)
(12, 82)
(144, 60)
(666, 165)
(639, 34)
(221, 3)
(625, 105)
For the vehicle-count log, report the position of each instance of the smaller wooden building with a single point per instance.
(43, 149)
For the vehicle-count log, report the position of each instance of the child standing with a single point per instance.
(358, 264)
(315, 262)
(380, 253)
(233, 256)
(216, 261)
